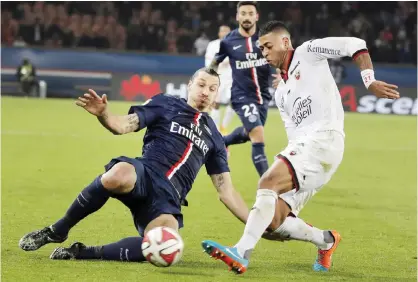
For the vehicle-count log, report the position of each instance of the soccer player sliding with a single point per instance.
(181, 137)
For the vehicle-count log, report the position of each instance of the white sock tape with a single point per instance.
(267, 192)
(368, 77)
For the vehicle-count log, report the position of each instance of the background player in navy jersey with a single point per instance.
(180, 138)
(250, 73)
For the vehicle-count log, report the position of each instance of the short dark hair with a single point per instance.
(272, 26)
(209, 71)
(245, 3)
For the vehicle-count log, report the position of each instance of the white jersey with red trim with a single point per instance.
(308, 97)
(224, 69)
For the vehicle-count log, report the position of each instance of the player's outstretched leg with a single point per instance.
(120, 178)
(294, 228)
(261, 215)
(36, 239)
(258, 155)
(276, 180)
(128, 249)
(230, 256)
(238, 136)
(323, 260)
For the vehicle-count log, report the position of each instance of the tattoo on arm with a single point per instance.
(219, 181)
(132, 123)
(119, 124)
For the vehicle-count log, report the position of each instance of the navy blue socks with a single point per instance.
(259, 158)
(127, 249)
(91, 199)
(238, 136)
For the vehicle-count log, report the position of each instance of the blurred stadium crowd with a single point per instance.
(390, 28)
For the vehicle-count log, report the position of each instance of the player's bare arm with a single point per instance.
(119, 124)
(379, 88)
(355, 47)
(229, 196)
(97, 106)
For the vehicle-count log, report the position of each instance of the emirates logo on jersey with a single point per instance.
(251, 62)
(190, 133)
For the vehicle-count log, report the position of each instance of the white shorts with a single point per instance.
(312, 161)
(224, 93)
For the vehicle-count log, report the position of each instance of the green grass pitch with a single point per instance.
(51, 149)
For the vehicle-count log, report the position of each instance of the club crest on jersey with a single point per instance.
(257, 44)
(297, 75)
(252, 118)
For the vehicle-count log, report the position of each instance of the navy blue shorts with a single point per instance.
(251, 114)
(152, 195)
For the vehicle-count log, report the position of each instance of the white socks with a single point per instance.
(229, 113)
(216, 116)
(296, 229)
(261, 215)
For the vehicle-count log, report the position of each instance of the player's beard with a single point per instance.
(202, 106)
(248, 28)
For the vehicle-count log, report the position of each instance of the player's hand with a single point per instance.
(277, 79)
(384, 90)
(93, 103)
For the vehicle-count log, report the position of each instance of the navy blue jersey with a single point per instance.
(179, 140)
(250, 70)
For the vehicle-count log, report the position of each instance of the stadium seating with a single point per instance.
(388, 27)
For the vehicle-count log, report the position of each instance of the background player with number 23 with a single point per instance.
(310, 106)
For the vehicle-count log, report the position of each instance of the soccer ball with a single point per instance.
(162, 246)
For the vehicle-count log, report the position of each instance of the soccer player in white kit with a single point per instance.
(225, 74)
(310, 105)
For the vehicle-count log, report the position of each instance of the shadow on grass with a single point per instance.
(211, 268)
